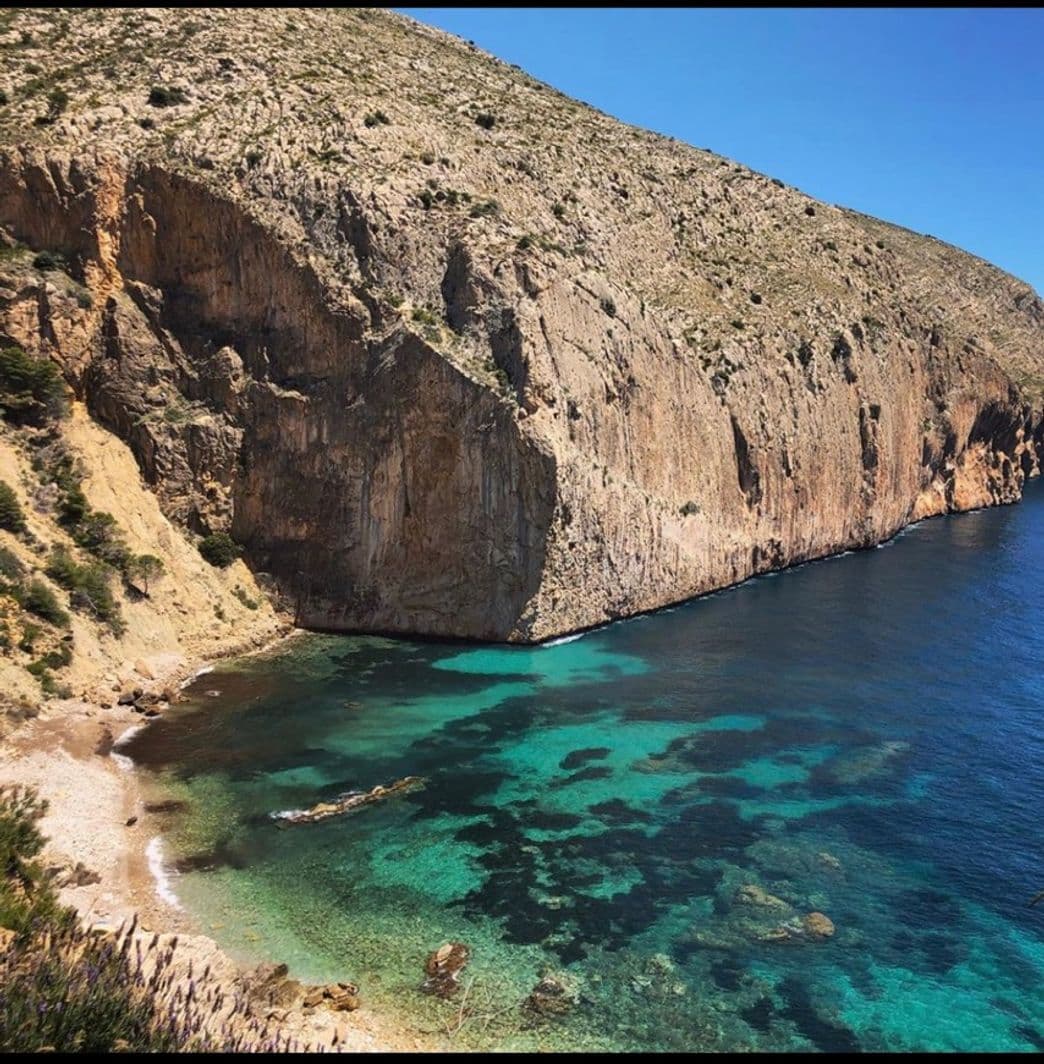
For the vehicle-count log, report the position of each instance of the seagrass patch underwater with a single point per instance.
(657, 809)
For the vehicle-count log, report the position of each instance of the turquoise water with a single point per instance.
(858, 737)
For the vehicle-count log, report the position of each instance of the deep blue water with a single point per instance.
(859, 737)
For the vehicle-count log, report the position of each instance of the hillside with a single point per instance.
(449, 353)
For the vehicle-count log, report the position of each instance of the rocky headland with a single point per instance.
(325, 318)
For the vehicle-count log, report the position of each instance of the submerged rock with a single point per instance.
(814, 926)
(349, 801)
(818, 925)
(270, 985)
(865, 761)
(340, 997)
(343, 997)
(752, 894)
(555, 994)
(829, 860)
(443, 967)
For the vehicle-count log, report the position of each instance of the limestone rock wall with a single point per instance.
(493, 380)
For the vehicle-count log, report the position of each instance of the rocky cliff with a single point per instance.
(452, 354)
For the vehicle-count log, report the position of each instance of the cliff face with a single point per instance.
(451, 354)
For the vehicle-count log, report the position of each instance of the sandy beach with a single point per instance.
(97, 818)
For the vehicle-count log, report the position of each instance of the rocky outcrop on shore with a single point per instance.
(452, 354)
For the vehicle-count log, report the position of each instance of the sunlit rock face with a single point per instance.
(498, 381)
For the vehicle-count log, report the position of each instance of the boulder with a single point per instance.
(817, 925)
(556, 993)
(814, 926)
(752, 894)
(342, 997)
(349, 801)
(269, 984)
(143, 668)
(443, 967)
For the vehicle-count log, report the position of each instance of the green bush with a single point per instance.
(72, 507)
(10, 566)
(30, 633)
(142, 569)
(94, 530)
(12, 519)
(38, 598)
(251, 604)
(485, 120)
(89, 587)
(424, 315)
(166, 96)
(98, 533)
(376, 118)
(49, 260)
(25, 895)
(57, 101)
(59, 658)
(220, 549)
(484, 208)
(31, 389)
(41, 672)
(64, 988)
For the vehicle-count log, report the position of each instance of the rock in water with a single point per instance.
(752, 894)
(818, 926)
(810, 928)
(555, 994)
(443, 967)
(343, 997)
(346, 803)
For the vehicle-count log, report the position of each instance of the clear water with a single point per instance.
(859, 737)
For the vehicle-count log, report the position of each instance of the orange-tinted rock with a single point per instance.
(545, 380)
(443, 967)
(817, 925)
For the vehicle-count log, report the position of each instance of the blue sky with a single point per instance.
(931, 119)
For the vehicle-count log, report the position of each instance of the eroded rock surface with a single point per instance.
(498, 380)
(443, 968)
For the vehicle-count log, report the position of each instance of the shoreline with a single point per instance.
(98, 824)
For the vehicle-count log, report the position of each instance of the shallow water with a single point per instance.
(858, 737)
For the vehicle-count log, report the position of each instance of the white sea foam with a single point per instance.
(195, 676)
(286, 814)
(123, 760)
(562, 640)
(160, 872)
